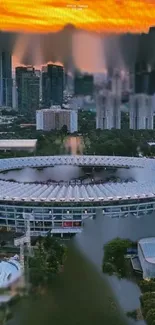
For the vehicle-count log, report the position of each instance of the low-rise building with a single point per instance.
(55, 119)
(10, 276)
(18, 144)
(146, 254)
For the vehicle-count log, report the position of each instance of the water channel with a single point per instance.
(82, 295)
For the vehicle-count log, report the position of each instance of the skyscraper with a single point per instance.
(30, 94)
(28, 85)
(56, 77)
(141, 78)
(116, 84)
(152, 82)
(108, 113)
(5, 79)
(141, 111)
(19, 72)
(14, 95)
(46, 90)
(83, 84)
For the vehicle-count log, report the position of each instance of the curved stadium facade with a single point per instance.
(61, 207)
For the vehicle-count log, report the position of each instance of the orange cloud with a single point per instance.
(91, 15)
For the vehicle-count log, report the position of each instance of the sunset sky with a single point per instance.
(96, 15)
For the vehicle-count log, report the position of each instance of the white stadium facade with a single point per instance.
(61, 208)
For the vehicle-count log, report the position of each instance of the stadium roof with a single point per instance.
(75, 193)
(148, 248)
(113, 161)
(29, 192)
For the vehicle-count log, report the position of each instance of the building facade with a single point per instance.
(51, 119)
(18, 144)
(152, 82)
(56, 77)
(14, 95)
(144, 79)
(116, 84)
(141, 111)
(18, 74)
(141, 78)
(5, 79)
(108, 112)
(146, 254)
(28, 90)
(83, 84)
(45, 84)
(30, 94)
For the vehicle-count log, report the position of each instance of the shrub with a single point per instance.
(108, 268)
(147, 286)
(150, 317)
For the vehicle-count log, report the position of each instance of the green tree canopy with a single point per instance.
(47, 260)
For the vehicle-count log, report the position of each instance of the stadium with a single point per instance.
(60, 207)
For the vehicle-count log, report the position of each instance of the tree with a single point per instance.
(149, 304)
(147, 296)
(114, 253)
(150, 317)
(147, 286)
(48, 258)
(64, 129)
(116, 247)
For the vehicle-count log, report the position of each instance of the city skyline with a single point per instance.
(108, 16)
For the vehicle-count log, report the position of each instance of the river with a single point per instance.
(82, 295)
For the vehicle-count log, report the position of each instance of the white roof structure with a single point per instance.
(75, 161)
(30, 192)
(16, 143)
(148, 249)
(10, 271)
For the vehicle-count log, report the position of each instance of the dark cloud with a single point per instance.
(121, 51)
(7, 41)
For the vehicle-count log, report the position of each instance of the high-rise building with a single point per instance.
(38, 74)
(5, 79)
(14, 95)
(65, 80)
(108, 113)
(56, 77)
(152, 82)
(83, 84)
(77, 103)
(116, 86)
(46, 90)
(30, 94)
(141, 78)
(69, 83)
(19, 72)
(141, 111)
(51, 119)
(28, 86)
(126, 83)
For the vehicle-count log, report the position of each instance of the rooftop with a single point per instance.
(18, 143)
(56, 110)
(148, 248)
(15, 191)
(10, 271)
